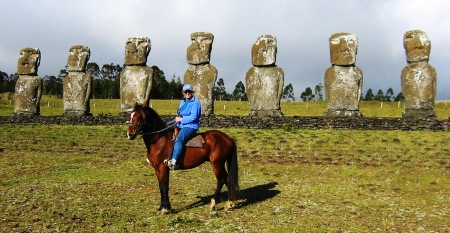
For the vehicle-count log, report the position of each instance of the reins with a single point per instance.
(169, 125)
(139, 131)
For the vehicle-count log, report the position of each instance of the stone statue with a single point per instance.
(418, 77)
(200, 73)
(28, 90)
(77, 84)
(343, 80)
(136, 78)
(265, 80)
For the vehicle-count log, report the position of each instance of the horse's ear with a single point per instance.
(135, 105)
(145, 105)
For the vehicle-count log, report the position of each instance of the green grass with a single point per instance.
(52, 106)
(91, 179)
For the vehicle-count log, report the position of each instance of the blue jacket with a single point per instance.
(190, 110)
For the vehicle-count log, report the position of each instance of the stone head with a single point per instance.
(343, 48)
(199, 51)
(417, 46)
(78, 58)
(29, 60)
(137, 50)
(264, 50)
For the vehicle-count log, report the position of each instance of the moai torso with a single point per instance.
(343, 80)
(136, 78)
(201, 74)
(265, 80)
(77, 84)
(28, 90)
(418, 77)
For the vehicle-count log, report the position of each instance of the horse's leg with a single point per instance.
(163, 180)
(221, 178)
(232, 178)
(231, 203)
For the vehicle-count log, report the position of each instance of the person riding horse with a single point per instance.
(188, 122)
(219, 149)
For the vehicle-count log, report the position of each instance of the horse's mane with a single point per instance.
(151, 117)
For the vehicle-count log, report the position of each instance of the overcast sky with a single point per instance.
(302, 29)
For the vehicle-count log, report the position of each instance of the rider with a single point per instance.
(188, 121)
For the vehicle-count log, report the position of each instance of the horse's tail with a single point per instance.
(233, 177)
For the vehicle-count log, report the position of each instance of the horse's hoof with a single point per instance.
(164, 211)
(213, 213)
(230, 205)
(212, 205)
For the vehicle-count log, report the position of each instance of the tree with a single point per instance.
(114, 88)
(288, 92)
(239, 92)
(389, 95)
(175, 88)
(379, 96)
(8, 82)
(318, 91)
(159, 85)
(52, 86)
(219, 91)
(399, 97)
(3, 77)
(106, 82)
(97, 92)
(307, 95)
(111, 71)
(93, 69)
(369, 95)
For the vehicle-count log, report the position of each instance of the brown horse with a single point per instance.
(218, 149)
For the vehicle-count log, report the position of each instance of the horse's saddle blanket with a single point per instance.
(196, 141)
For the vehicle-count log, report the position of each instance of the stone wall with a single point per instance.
(251, 122)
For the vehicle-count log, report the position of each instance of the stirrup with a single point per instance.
(171, 163)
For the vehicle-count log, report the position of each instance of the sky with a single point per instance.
(302, 29)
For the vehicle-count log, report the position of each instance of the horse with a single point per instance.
(218, 148)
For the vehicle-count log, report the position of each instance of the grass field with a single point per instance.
(52, 106)
(91, 179)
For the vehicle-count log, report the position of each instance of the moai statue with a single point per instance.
(28, 91)
(136, 77)
(418, 77)
(200, 73)
(265, 80)
(343, 80)
(77, 84)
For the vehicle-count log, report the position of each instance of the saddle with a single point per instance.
(196, 141)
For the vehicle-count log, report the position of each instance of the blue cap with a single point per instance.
(188, 87)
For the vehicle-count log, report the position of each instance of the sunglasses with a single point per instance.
(186, 92)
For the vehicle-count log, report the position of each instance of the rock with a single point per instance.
(136, 78)
(28, 90)
(77, 84)
(200, 73)
(418, 78)
(265, 80)
(343, 80)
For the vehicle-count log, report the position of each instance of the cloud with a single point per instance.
(302, 29)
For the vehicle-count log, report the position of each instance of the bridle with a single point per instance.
(138, 127)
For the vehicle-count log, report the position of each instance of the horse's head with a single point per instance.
(136, 122)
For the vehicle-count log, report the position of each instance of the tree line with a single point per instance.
(308, 95)
(106, 85)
